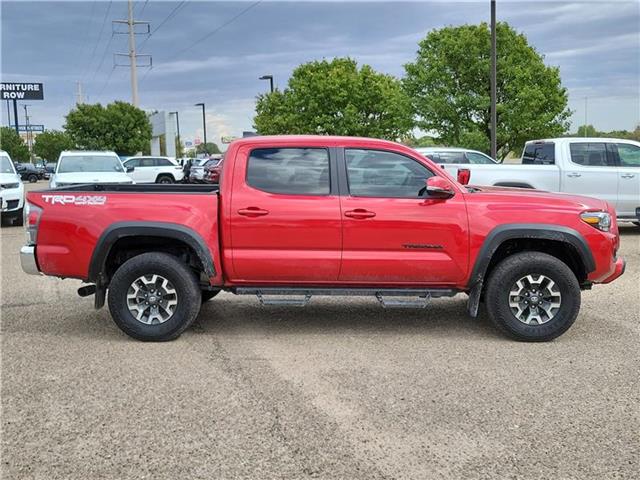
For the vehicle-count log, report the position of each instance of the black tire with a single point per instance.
(504, 277)
(209, 294)
(33, 178)
(166, 179)
(183, 281)
(637, 224)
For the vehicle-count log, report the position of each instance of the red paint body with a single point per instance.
(261, 238)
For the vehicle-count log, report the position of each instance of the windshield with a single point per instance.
(89, 163)
(5, 165)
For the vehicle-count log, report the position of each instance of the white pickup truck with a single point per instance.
(605, 168)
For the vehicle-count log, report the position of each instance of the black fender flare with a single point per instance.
(119, 230)
(511, 231)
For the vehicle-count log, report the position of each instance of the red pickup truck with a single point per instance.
(297, 216)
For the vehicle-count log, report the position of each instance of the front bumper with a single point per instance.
(12, 200)
(620, 266)
(28, 260)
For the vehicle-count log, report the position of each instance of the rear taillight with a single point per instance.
(32, 215)
(464, 175)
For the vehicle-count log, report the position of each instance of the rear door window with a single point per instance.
(590, 154)
(163, 162)
(539, 153)
(293, 171)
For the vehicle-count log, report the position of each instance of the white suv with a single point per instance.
(11, 190)
(154, 169)
(79, 167)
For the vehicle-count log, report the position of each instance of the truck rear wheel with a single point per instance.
(154, 297)
(532, 296)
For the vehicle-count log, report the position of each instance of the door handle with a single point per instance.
(574, 174)
(359, 213)
(253, 212)
(627, 175)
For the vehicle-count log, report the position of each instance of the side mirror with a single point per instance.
(130, 169)
(438, 187)
(464, 175)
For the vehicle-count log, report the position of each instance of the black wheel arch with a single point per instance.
(149, 230)
(563, 242)
(167, 175)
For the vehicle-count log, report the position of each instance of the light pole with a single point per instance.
(204, 126)
(494, 115)
(177, 131)
(270, 78)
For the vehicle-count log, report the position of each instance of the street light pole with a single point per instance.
(270, 78)
(494, 115)
(204, 126)
(177, 130)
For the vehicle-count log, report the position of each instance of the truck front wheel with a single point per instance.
(532, 296)
(154, 297)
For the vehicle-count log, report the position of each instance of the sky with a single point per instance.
(214, 52)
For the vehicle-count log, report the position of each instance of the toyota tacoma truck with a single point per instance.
(298, 216)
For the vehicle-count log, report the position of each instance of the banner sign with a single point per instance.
(31, 128)
(21, 91)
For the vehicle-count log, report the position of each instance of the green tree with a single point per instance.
(336, 98)
(119, 126)
(209, 148)
(587, 131)
(13, 144)
(450, 91)
(49, 144)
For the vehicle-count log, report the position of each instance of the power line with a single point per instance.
(172, 14)
(104, 55)
(85, 43)
(143, 7)
(216, 30)
(95, 48)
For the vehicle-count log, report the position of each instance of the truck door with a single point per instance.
(285, 216)
(392, 234)
(628, 160)
(590, 170)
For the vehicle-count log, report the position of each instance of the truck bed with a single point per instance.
(140, 188)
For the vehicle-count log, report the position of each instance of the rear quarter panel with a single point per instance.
(68, 232)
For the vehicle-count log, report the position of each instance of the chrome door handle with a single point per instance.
(574, 174)
(627, 175)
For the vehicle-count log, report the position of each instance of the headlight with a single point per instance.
(599, 220)
(9, 185)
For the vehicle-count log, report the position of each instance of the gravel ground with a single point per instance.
(339, 390)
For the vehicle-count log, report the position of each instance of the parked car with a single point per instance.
(29, 172)
(154, 170)
(456, 156)
(197, 172)
(49, 169)
(297, 216)
(11, 190)
(605, 168)
(91, 167)
(212, 170)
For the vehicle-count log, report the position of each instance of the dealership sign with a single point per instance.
(31, 128)
(21, 91)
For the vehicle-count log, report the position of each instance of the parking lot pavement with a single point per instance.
(341, 389)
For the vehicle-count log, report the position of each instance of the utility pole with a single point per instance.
(494, 115)
(79, 94)
(177, 130)
(133, 56)
(26, 122)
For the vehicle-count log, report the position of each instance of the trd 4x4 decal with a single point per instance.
(75, 199)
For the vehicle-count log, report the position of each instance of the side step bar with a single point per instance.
(388, 297)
